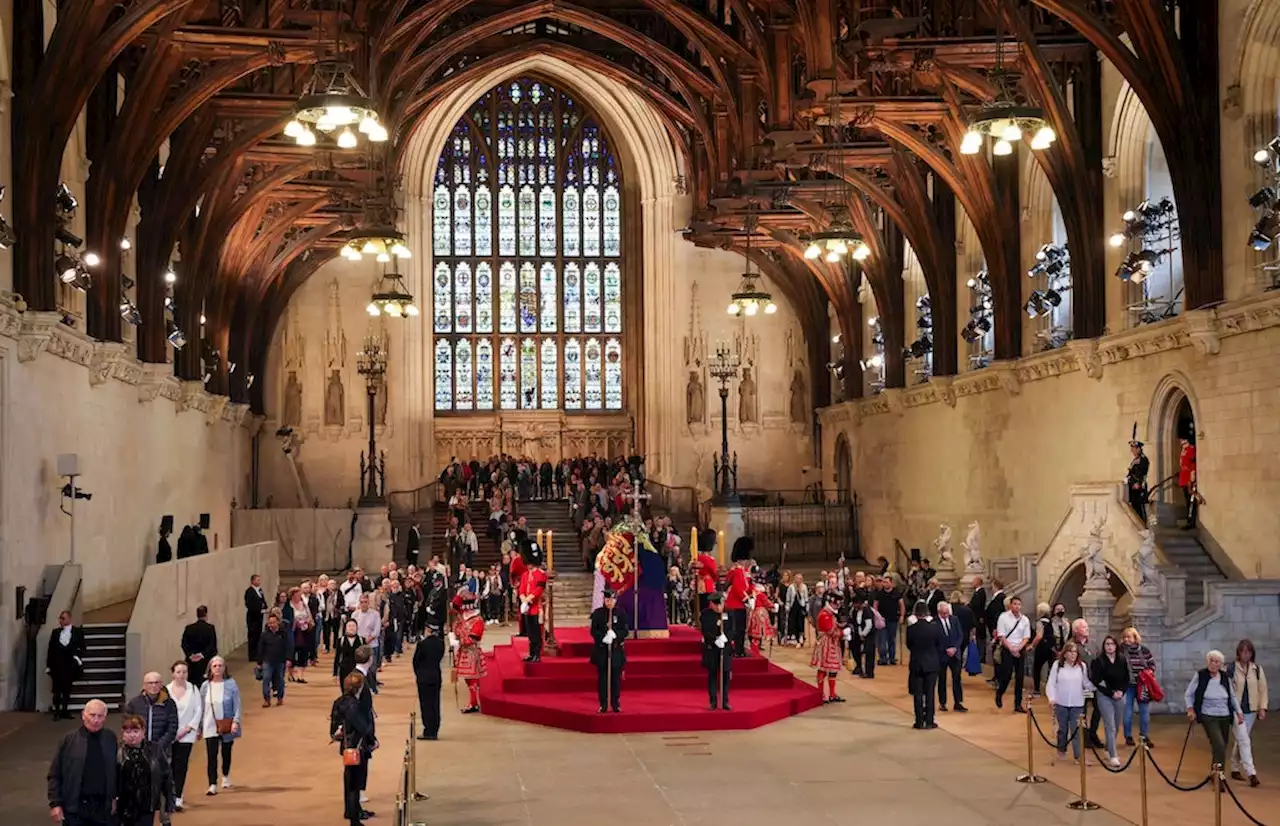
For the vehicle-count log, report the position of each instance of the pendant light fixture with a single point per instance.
(1004, 120)
(751, 297)
(334, 104)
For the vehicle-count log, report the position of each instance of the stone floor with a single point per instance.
(832, 765)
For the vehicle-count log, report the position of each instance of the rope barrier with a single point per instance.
(1152, 760)
(1039, 730)
(1105, 762)
(1231, 793)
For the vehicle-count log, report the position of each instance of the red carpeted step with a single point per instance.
(664, 688)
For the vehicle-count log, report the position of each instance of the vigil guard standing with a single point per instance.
(1135, 481)
(717, 654)
(609, 630)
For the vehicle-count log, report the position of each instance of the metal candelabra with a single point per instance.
(724, 368)
(371, 362)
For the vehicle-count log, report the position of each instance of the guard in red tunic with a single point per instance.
(704, 571)
(515, 574)
(760, 625)
(826, 655)
(533, 583)
(739, 590)
(464, 637)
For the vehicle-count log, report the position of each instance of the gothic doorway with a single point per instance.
(1173, 417)
(1071, 586)
(844, 469)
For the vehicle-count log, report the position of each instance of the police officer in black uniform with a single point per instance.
(1136, 480)
(607, 655)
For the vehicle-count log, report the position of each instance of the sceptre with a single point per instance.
(608, 651)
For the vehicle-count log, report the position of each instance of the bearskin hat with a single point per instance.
(743, 548)
(531, 551)
(706, 541)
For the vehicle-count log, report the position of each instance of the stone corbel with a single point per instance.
(893, 400)
(10, 317)
(1204, 330)
(253, 423)
(71, 344)
(235, 413)
(942, 385)
(1008, 374)
(213, 407)
(192, 397)
(35, 334)
(156, 380)
(1110, 166)
(111, 359)
(1086, 353)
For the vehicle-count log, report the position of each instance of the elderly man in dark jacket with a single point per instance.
(82, 776)
(158, 711)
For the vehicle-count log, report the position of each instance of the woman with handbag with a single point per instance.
(222, 711)
(1140, 659)
(190, 713)
(352, 729)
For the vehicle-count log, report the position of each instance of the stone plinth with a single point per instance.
(372, 546)
(946, 576)
(726, 516)
(1147, 614)
(1097, 605)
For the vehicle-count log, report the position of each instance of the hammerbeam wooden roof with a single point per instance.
(781, 109)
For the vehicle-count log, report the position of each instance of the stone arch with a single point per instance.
(1256, 75)
(1127, 146)
(843, 468)
(652, 170)
(1070, 585)
(1171, 391)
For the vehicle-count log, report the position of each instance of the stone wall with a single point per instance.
(1234, 611)
(1003, 445)
(147, 446)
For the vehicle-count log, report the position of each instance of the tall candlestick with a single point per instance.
(550, 544)
(541, 546)
(693, 544)
(720, 547)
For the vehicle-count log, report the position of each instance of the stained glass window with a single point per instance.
(529, 257)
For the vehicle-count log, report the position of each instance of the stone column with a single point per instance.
(947, 577)
(1097, 606)
(662, 367)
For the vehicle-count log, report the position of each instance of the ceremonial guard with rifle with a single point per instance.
(609, 630)
(1135, 480)
(717, 653)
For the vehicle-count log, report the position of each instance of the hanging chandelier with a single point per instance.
(835, 243)
(392, 298)
(382, 242)
(1005, 120)
(333, 102)
(751, 298)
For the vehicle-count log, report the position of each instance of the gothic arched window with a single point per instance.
(527, 257)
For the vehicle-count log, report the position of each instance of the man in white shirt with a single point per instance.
(351, 591)
(467, 540)
(1013, 635)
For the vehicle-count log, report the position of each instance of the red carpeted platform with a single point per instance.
(664, 688)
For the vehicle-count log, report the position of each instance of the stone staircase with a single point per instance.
(553, 515)
(573, 597)
(104, 666)
(1183, 549)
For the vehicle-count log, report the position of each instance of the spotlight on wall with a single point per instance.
(66, 236)
(176, 337)
(91, 259)
(170, 276)
(126, 282)
(248, 381)
(1263, 234)
(129, 312)
(65, 201)
(125, 243)
(7, 236)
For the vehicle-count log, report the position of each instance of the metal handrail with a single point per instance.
(1153, 490)
(902, 560)
(415, 500)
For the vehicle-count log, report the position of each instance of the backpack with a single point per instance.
(879, 620)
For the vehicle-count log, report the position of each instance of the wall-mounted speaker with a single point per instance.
(204, 522)
(166, 523)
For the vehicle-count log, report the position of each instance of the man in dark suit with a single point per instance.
(344, 652)
(954, 643)
(609, 630)
(717, 654)
(64, 663)
(935, 598)
(426, 672)
(415, 544)
(255, 612)
(364, 659)
(926, 645)
(199, 645)
(978, 605)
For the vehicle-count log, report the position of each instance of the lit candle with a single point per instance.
(720, 547)
(550, 544)
(540, 545)
(693, 544)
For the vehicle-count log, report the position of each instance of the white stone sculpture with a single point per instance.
(1095, 570)
(972, 553)
(942, 545)
(1145, 560)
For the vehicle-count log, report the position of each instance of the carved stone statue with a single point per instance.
(972, 553)
(799, 399)
(335, 339)
(291, 416)
(1095, 570)
(334, 400)
(695, 399)
(747, 397)
(1145, 560)
(942, 546)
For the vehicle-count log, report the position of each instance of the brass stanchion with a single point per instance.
(1030, 776)
(414, 795)
(1084, 804)
(1217, 794)
(1142, 776)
